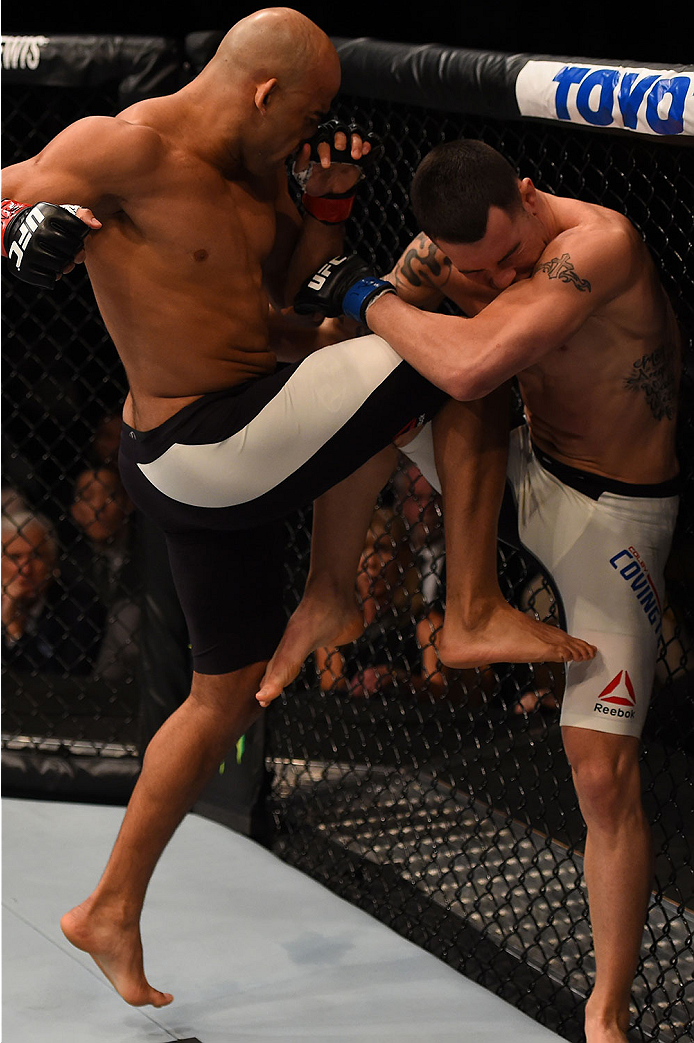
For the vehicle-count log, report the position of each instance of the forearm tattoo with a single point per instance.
(562, 268)
(429, 271)
(655, 375)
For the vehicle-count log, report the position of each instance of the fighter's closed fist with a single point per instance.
(42, 241)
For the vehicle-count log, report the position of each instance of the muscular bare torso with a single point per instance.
(178, 274)
(605, 400)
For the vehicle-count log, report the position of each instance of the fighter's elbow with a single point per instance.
(467, 385)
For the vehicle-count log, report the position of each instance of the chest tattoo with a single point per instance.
(428, 271)
(655, 376)
(562, 268)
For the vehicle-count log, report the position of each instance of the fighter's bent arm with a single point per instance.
(301, 246)
(93, 162)
(468, 358)
(421, 274)
(329, 180)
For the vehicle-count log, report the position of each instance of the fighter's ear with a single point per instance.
(528, 193)
(263, 93)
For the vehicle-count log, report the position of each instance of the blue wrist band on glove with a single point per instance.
(358, 295)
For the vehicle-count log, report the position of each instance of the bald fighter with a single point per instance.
(565, 295)
(180, 208)
(192, 243)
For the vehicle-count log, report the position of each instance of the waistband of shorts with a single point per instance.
(146, 445)
(594, 485)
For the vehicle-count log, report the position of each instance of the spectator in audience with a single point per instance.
(46, 625)
(387, 586)
(398, 648)
(420, 506)
(106, 440)
(102, 512)
(12, 502)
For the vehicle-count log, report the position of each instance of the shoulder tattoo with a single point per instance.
(562, 268)
(419, 265)
(655, 376)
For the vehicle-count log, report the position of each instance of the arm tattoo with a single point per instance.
(654, 374)
(561, 268)
(405, 271)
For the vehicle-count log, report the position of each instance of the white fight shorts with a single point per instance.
(605, 552)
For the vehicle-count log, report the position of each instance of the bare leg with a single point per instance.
(179, 760)
(618, 869)
(480, 627)
(328, 614)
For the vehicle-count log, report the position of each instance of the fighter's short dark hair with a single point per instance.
(456, 184)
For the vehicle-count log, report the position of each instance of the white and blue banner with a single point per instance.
(649, 101)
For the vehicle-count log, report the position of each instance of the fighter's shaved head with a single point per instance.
(276, 42)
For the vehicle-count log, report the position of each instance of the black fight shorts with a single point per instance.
(220, 475)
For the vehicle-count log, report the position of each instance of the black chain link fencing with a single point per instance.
(439, 801)
(71, 595)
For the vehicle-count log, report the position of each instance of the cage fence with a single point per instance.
(440, 801)
(441, 798)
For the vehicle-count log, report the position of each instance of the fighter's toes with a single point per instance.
(276, 678)
(267, 693)
(158, 999)
(580, 651)
(136, 991)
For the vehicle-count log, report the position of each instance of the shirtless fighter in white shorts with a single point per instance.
(604, 543)
(564, 295)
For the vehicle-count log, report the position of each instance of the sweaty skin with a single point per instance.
(193, 237)
(564, 295)
(576, 311)
(198, 232)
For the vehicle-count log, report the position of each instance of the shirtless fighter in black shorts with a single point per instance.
(191, 239)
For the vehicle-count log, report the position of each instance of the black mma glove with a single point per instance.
(335, 207)
(343, 286)
(39, 241)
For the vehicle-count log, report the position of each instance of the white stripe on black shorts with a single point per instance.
(220, 474)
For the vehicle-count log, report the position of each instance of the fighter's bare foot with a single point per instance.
(117, 952)
(320, 621)
(503, 634)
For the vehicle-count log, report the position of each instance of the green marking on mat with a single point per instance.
(240, 748)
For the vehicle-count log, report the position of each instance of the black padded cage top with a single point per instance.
(422, 796)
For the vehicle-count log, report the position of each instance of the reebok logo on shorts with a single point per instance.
(617, 699)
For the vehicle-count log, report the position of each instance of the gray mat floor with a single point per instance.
(253, 950)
